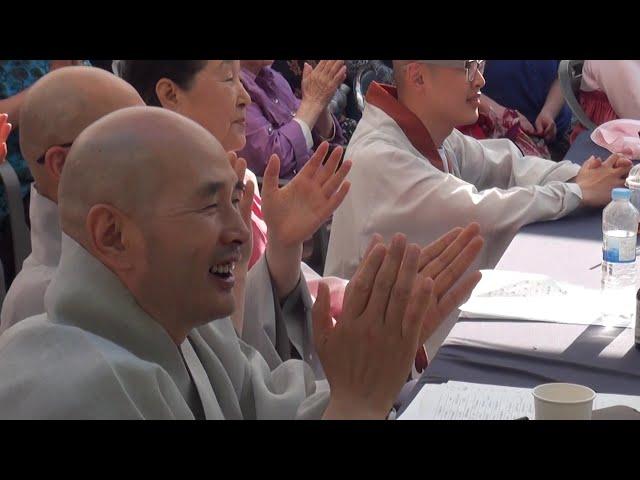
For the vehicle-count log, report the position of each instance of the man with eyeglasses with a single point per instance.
(57, 108)
(413, 172)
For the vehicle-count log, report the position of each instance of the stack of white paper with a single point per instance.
(527, 296)
(473, 401)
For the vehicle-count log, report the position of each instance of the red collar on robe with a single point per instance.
(385, 97)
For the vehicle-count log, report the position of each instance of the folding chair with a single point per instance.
(570, 75)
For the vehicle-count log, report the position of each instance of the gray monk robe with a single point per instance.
(95, 354)
(279, 331)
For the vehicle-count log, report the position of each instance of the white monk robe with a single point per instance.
(395, 188)
(96, 354)
(25, 298)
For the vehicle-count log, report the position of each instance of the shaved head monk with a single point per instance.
(136, 322)
(57, 108)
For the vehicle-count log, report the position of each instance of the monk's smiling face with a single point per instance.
(164, 215)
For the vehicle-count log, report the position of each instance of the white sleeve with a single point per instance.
(306, 131)
(499, 163)
(403, 194)
(620, 82)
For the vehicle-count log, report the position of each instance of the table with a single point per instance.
(525, 354)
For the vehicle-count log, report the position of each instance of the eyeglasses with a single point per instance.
(41, 159)
(472, 67)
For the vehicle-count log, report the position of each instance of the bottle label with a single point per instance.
(619, 249)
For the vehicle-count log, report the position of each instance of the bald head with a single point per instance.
(134, 159)
(61, 105)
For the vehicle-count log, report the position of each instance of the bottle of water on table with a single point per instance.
(619, 232)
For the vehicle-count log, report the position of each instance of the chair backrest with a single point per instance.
(20, 236)
(339, 101)
(570, 76)
(365, 75)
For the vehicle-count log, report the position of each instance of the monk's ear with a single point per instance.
(107, 230)
(54, 161)
(168, 93)
(415, 75)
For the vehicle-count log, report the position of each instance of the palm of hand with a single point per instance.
(294, 212)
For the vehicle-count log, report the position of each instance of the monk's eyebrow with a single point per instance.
(210, 189)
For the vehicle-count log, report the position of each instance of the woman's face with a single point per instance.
(217, 100)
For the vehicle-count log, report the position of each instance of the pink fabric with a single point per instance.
(336, 288)
(597, 107)
(619, 136)
(259, 229)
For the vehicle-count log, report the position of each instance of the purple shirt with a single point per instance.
(271, 127)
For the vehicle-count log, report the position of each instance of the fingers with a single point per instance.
(358, 291)
(5, 127)
(321, 317)
(620, 165)
(314, 163)
(246, 203)
(457, 296)
(336, 179)
(439, 263)
(386, 277)
(402, 290)
(321, 67)
(306, 70)
(232, 157)
(539, 126)
(525, 124)
(610, 161)
(417, 310)
(5, 130)
(335, 67)
(435, 248)
(623, 161)
(592, 162)
(325, 171)
(271, 175)
(457, 267)
(335, 200)
(439, 311)
(240, 168)
(376, 238)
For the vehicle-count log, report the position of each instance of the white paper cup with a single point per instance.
(563, 401)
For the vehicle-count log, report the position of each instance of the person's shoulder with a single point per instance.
(61, 346)
(375, 131)
(25, 298)
(41, 362)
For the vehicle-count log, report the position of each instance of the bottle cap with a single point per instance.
(620, 194)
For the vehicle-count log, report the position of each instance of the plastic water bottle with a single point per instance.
(619, 231)
(633, 183)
